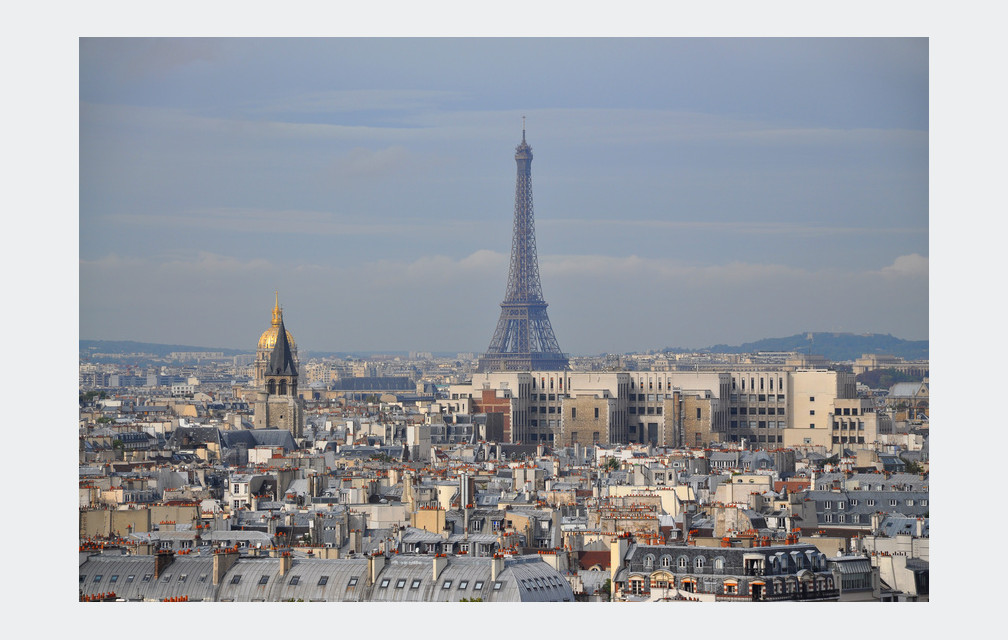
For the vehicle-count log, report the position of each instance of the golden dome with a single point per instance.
(268, 338)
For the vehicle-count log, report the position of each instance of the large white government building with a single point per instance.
(766, 408)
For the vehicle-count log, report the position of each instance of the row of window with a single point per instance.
(651, 411)
(758, 424)
(650, 397)
(846, 439)
(757, 411)
(848, 425)
(324, 580)
(828, 504)
(683, 562)
(756, 397)
(114, 578)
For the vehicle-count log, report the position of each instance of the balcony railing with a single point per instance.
(808, 596)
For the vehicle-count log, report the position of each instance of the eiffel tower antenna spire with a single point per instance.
(524, 339)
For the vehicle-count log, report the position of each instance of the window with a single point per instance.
(352, 583)
(294, 580)
(498, 585)
(400, 583)
(116, 577)
(871, 502)
(446, 585)
(147, 577)
(829, 517)
(574, 413)
(323, 581)
(596, 413)
(478, 585)
(182, 577)
(666, 561)
(129, 578)
(98, 577)
(384, 583)
(811, 399)
(262, 580)
(236, 579)
(699, 562)
(464, 584)
(649, 562)
(683, 562)
(811, 412)
(840, 505)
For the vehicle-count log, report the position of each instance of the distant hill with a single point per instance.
(834, 346)
(129, 346)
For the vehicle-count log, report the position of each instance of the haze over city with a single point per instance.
(687, 192)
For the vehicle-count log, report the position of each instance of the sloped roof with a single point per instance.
(258, 438)
(282, 358)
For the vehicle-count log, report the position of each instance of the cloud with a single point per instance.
(132, 59)
(734, 227)
(267, 221)
(911, 266)
(387, 162)
(330, 102)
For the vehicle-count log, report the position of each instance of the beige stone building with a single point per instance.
(759, 407)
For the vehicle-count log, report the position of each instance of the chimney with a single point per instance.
(285, 563)
(161, 562)
(496, 567)
(440, 562)
(617, 551)
(376, 563)
(221, 563)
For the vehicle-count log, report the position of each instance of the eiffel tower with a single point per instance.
(524, 339)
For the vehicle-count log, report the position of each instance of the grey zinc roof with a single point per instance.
(259, 437)
(250, 537)
(402, 579)
(851, 564)
(132, 577)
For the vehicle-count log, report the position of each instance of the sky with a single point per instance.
(687, 191)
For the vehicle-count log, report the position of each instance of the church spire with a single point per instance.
(281, 361)
(277, 312)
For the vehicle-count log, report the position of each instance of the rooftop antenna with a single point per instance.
(523, 128)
